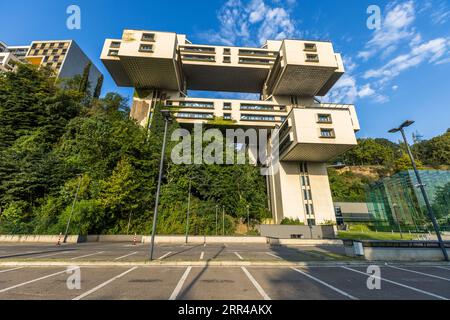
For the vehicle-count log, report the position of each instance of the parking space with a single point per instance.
(233, 283)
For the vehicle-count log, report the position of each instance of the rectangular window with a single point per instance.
(249, 117)
(148, 37)
(227, 51)
(199, 49)
(227, 116)
(256, 107)
(146, 48)
(324, 118)
(193, 57)
(115, 44)
(226, 106)
(192, 115)
(254, 61)
(113, 53)
(312, 58)
(310, 47)
(327, 133)
(227, 59)
(208, 105)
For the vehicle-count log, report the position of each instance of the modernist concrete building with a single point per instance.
(287, 74)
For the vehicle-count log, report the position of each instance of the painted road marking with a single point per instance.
(165, 256)
(126, 256)
(397, 283)
(273, 255)
(202, 255)
(88, 255)
(326, 284)
(421, 273)
(443, 268)
(35, 280)
(256, 284)
(9, 270)
(239, 256)
(180, 284)
(84, 295)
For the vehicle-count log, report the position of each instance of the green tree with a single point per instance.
(98, 87)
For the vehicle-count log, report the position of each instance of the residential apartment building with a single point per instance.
(64, 57)
(287, 74)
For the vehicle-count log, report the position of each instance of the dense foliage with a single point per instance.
(57, 139)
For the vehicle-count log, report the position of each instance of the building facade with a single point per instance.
(64, 57)
(288, 75)
(397, 200)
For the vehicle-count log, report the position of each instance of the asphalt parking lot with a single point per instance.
(254, 275)
(127, 252)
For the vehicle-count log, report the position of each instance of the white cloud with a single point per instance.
(396, 27)
(395, 87)
(430, 51)
(251, 23)
(366, 91)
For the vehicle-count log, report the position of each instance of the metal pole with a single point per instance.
(425, 197)
(129, 223)
(223, 221)
(217, 220)
(248, 219)
(158, 190)
(188, 211)
(71, 212)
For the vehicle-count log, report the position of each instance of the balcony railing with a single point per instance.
(192, 57)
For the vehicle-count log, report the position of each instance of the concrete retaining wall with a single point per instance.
(396, 250)
(304, 242)
(199, 239)
(106, 238)
(303, 232)
(37, 239)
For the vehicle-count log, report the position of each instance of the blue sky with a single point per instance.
(397, 72)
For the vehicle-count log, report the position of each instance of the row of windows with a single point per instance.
(327, 133)
(47, 52)
(50, 45)
(192, 115)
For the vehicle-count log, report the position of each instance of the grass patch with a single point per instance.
(352, 235)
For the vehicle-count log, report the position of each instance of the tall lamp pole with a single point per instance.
(71, 212)
(421, 186)
(188, 211)
(167, 118)
(248, 218)
(217, 219)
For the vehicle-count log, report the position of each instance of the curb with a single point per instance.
(214, 264)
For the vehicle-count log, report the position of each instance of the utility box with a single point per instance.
(358, 249)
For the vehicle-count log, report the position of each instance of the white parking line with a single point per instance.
(398, 284)
(88, 255)
(165, 256)
(256, 284)
(239, 256)
(180, 284)
(326, 284)
(202, 255)
(126, 256)
(421, 273)
(9, 270)
(443, 268)
(273, 255)
(84, 295)
(34, 280)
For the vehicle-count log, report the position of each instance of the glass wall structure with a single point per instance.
(398, 202)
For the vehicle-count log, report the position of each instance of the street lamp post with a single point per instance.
(421, 186)
(248, 218)
(167, 118)
(223, 221)
(217, 219)
(71, 212)
(188, 211)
